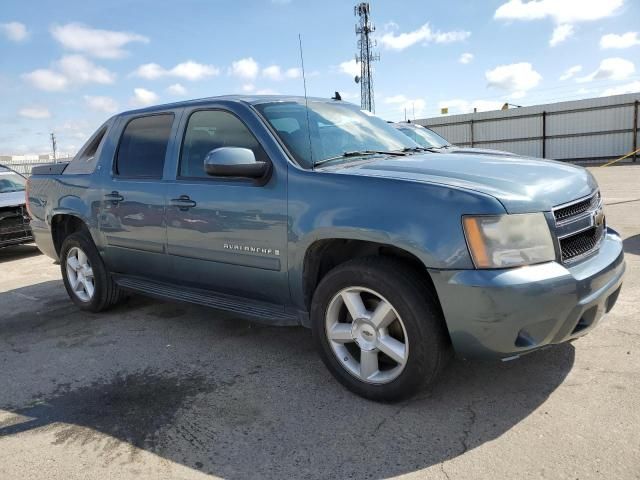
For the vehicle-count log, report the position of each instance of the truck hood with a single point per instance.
(11, 199)
(521, 184)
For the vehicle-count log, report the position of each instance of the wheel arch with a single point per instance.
(64, 224)
(323, 255)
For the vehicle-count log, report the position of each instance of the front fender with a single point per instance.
(422, 219)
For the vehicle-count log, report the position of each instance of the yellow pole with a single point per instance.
(621, 158)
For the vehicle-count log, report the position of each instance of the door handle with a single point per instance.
(184, 203)
(114, 197)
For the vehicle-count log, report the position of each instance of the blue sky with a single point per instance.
(66, 66)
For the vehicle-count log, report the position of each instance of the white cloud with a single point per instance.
(188, 70)
(101, 104)
(611, 69)
(35, 113)
(560, 11)
(563, 12)
(177, 89)
(246, 68)
(561, 33)
(275, 72)
(143, 97)
(78, 69)
(424, 34)
(48, 80)
(516, 78)
(14, 31)
(458, 105)
(401, 102)
(95, 42)
(350, 67)
(632, 87)
(625, 40)
(70, 69)
(295, 73)
(466, 58)
(150, 71)
(571, 72)
(248, 87)
(272, 72)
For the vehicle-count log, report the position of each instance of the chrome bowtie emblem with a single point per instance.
(598, 217)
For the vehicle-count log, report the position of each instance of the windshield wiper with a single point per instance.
(359, 153)
(416, 149)
(436, 149)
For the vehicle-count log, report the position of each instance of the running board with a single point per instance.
(264, 312)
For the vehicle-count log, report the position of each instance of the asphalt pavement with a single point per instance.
(162, 390)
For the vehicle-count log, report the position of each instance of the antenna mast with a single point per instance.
(366, 56)
(54, 146)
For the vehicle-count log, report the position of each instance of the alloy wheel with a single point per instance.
(367, 335)
(80, 274)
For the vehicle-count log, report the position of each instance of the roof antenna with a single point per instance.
(306, 101)
(336, 96)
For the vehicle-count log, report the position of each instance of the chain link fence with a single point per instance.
(24, 166)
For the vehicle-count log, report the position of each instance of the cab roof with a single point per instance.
(248, 99)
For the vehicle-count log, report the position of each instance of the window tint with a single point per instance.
(143, 146)
(211, 129)
(86, 160)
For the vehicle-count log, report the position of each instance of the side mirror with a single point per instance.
(234, 162)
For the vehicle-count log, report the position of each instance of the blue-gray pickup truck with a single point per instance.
(313, 212)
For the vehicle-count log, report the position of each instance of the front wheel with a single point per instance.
(86, 279)
(378, 329)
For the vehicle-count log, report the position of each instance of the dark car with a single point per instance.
(427, 138)
(14, 220)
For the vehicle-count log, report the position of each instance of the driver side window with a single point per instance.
(211, 129)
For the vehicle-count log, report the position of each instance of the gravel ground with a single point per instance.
(160, 390)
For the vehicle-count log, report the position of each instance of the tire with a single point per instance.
(82, 266)
(396, 346)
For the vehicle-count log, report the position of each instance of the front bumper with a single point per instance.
(14, 233)
(506, 313)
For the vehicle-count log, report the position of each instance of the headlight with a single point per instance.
(503, 241)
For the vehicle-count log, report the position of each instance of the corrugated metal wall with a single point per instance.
(591, 130)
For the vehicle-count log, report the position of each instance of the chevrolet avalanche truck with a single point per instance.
(319, 214)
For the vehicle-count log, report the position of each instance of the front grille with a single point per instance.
(578, 208)
(12, 237)
(580, 227)
(581, 243)
(11, 217)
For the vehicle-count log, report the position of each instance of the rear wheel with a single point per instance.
(88, 283)
(378, 329)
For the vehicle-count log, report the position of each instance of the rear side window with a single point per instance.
(86, 160)
(143, 147)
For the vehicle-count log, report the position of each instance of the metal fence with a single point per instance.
(586, 131)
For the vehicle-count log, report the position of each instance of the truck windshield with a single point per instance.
(424, 137)
(11, 182)
(331, 130)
